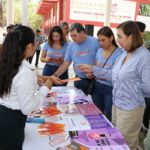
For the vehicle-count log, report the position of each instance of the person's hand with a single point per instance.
(40, 81)
(56, 80)
(59, 60)
(48, 83)
(48, 59)
(85, 68)
(90, 75)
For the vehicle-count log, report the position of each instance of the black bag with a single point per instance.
(90, 86)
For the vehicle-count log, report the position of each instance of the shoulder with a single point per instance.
(46, 45)
(143, 53)
(119, 51)
(25, 75)
(71, 45)
(100, 50)
(66, 44)
(94, 39)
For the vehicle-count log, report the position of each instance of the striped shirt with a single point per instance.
(131, 80)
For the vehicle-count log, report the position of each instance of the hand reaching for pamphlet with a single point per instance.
(40, 80)
(48, 83)
(56, 80)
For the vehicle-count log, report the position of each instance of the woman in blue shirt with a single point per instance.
(131, 83)
(53, 52)
(105, 58)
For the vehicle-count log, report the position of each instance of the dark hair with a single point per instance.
(11, 26)
(78, 27)
(63, 23)
(58, 30)
(106, 31)
(131, 28)
(12, 54)
(38, 31)
(141, 25)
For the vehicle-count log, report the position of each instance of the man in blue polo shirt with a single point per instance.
(83, 49)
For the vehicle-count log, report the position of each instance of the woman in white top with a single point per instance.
(18, 87)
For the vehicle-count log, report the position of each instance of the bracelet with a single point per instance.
(55, 75)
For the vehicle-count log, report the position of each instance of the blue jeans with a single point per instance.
(50, 70)
(102, 98)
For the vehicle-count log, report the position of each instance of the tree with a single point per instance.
(34, 20)
(1, 14)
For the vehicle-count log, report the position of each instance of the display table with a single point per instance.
(85, 126)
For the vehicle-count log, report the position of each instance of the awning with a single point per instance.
(45, 5)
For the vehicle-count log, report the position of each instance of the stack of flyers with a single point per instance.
(51, 111)
(76, 146)
(101, 139)
(36, 113)
(69, 109)
(76, 122)
(35, 117)
(71, 80)
(56, 118)
(88, 109)
(57, 139)
(98, 121)
(72, 99)
(51, 128)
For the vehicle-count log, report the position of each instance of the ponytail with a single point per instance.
(12, 54)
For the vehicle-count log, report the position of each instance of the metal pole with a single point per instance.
(10, 12)
(24, 12)
(107, 13)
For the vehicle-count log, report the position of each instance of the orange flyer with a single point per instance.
(71, 79)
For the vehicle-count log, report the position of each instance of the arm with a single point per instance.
(98, 72)
(28, 96)
(43, 58)
(46, 59)
(102, 73)
(65, 65)
(145, 80)
(55, 77)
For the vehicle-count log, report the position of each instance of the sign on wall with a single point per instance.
(94, 10)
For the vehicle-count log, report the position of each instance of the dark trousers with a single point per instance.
(12, 123)
(146, 117)
(50, 70)
(102, 98)
(83, 85)
(37, 57)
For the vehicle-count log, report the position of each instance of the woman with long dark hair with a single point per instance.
(53, 52)
(18, 87)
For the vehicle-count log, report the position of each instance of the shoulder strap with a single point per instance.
(108, 57)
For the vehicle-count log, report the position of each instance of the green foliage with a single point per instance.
(144, 10)
(34, 20)
(4, 12)
(147, 38)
